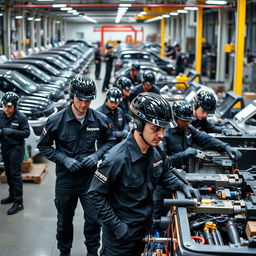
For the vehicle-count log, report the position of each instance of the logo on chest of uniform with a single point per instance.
(101, 176)
(92, 129)
(155, 164)
(15, 124)
(120, 119)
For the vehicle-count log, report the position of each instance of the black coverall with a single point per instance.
(207, 126)
(75, 140)
(180, 63)
(14, 130)
(122, 190)
(139, 88)
(116, 120)
(97, 56)
(175, 142)
(109, 57)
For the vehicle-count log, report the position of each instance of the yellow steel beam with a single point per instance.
(240, 29)
(146, 17)
(162, 37)
(199, 37)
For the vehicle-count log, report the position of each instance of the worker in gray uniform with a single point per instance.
(128, 177)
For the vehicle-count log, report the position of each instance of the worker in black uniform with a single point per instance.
(179, 143)
(124, 84)
(128, 176)
(75, 130)
(14, 128)
(169, 51)
(116, 116)
(134, 73)
(204, 104)
(180, 61)
(148, 84)
(109, 58)
(98, 59)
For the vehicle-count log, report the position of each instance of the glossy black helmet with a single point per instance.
(114, 94)
(10, 98)
(135, 66)
(183, 110)
(82, 87)
(151, 107)
(205, 100)
(149, 77)
(124, 83)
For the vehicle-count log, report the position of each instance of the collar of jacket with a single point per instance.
(70, 116)
(133, 147)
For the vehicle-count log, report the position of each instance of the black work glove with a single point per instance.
(189, 152)
(120, 134)
(191, 192)
(233, 153)
(90, 160)
(71, 164)
(226, 132)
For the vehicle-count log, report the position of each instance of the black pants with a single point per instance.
(111, 246)
(97, 69)
(13, 158)
(66, 202)
(107, 76)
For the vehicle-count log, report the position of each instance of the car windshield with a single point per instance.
(52, 69)
(136, 56)
(40, 74)
(22, 81)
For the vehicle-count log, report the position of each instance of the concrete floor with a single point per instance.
(32, 231)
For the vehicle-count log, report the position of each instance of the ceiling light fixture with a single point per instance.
(191, 8)
(66, 8)
(174, 13)
(89, 19)
(30, 18)
(182, 11)
(18, 17)
(216, 2)
(59, 5)
(37, 19)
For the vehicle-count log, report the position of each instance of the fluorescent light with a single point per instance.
(66, 8)
(59, 5)
(143, 13)
(216, 2)
(125, 5)
(182, 11)
(37, 19)
(89, 19)
(30, 18)
(174, 13)
(18, 17)
(1, 14)
(191, 8)
(166, 16)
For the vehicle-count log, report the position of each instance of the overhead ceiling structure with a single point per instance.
(105, 11)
